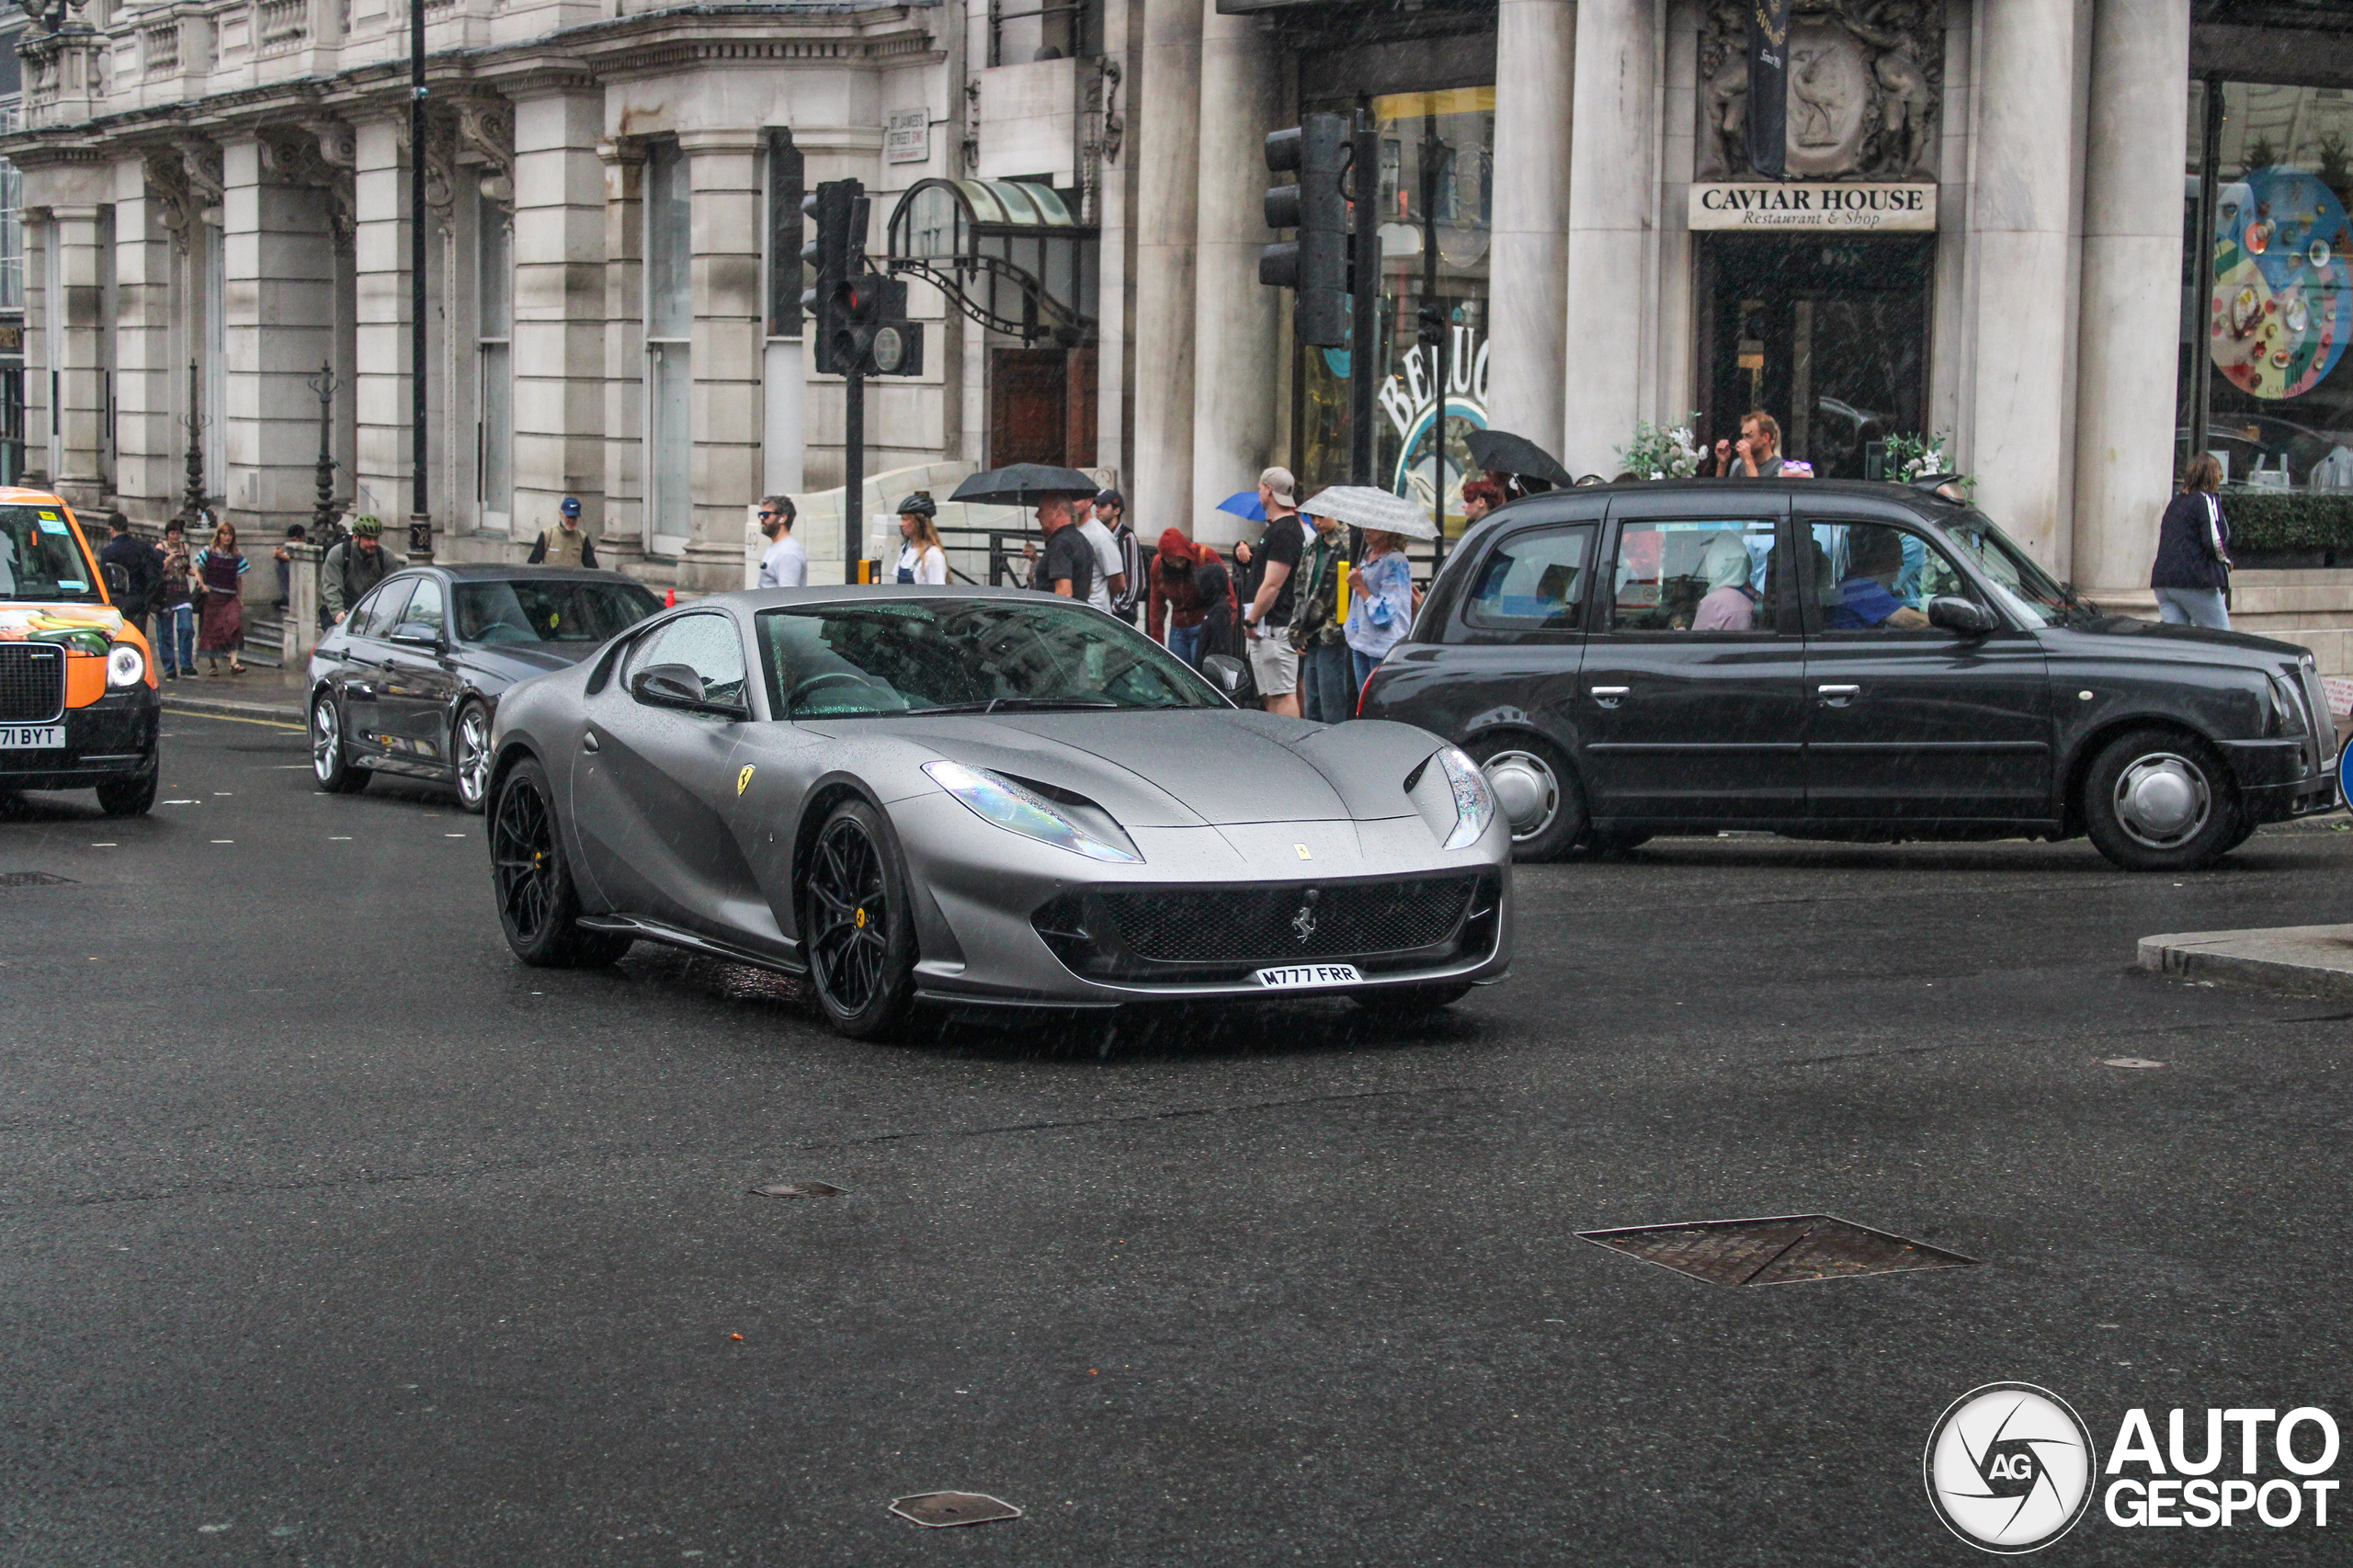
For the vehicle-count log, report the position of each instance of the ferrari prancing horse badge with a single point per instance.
(744, 779)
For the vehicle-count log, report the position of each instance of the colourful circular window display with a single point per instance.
(2282, 304)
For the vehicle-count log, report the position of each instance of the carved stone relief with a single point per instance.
(168, 195)
(320, 154)
(1865, 85)
(201, 162)
(486, 140)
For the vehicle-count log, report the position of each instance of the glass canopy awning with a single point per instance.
(1008, 252)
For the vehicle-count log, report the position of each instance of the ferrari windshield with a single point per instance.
(39, 559)
(868, 659)
(550, 609)
(2027, 590)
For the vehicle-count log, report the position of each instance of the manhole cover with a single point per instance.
(937, 1510)
(30, 879)
(1775, 1252)
(807, 1190)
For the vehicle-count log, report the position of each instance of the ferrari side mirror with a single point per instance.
(668, 685)
(1224, 672)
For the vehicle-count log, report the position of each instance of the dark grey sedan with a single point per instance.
(408, 683)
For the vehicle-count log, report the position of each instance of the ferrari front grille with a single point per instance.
(1273, 925)
(32, 681)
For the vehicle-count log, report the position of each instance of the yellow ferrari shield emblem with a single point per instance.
(1302, 851)
(744, 779)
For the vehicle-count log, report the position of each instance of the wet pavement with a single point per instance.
(335, 1237)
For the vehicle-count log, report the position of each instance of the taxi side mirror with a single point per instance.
(1951, 612)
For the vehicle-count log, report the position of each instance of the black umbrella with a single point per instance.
(1500, 451)
(1023, 485)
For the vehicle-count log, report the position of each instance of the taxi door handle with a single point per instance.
(1838, 696)
(1610, 696)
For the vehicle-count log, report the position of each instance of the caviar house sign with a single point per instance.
(1843, 205)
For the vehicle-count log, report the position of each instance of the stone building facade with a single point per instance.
(1980, 245)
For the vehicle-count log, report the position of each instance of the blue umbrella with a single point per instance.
(1243, 504)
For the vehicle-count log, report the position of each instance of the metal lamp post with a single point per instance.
(420, 519)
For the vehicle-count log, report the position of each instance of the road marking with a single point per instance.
(338, 838)
(224, 841)
(182, 802)
(235, 719)
(453, 835)
(224, 792)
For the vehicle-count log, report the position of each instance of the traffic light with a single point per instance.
(836, 210)
(1316, 264)
(869, 332)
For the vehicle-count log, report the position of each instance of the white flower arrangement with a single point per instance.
(1655, 452)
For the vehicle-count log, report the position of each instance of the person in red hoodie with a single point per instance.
(1191, 600)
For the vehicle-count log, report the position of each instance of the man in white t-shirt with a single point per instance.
(786, 563)
(1110, 568)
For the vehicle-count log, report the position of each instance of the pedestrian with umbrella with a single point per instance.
(1529, 467)
(1381, 591)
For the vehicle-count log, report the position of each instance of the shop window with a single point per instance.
(669, 331)
(2269, 274)
(1449, 136)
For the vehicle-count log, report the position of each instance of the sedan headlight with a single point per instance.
(1475, 804)
(125, 665)
(994, 798)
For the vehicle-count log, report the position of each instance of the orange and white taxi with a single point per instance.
(79, 707)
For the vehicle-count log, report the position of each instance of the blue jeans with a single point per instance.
(1326, 694)
(1185, 642)
(175, 639)
(1365, 665)
(2193, 607)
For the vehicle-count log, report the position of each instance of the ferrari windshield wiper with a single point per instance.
(1033, 704)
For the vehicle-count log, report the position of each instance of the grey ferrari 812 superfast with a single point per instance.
(970, 798)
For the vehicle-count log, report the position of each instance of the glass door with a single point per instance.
(669, 333)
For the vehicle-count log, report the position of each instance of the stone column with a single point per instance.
(147, 470)
(2126, 374)
(559, 309)
(723, 171)
(623, 542)
(1535, 67)
(1166, 117)
(279, 314)
(1237, 339)
(380, 387)
(2023, 216)
(1609, 217)
(77, 271)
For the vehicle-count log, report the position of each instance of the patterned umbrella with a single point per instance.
(1369, 508)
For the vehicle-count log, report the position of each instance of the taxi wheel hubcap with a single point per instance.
(848, 916)
(522, 857)
(1527, 790)
(2162, 801)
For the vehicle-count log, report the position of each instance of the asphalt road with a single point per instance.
(333, 1236)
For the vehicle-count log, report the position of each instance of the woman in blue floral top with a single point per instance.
(1381, 601)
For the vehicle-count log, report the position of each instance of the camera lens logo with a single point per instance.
(2009, 1468)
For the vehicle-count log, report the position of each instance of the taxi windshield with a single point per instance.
(2026, 589)
(39, 559)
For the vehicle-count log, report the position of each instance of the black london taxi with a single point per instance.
(1838, 660)
(79, 707)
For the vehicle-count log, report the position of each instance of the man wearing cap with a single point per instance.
(785, 564)
(568, 543)
(1274, 663)
(353, 567)
(1112, 511)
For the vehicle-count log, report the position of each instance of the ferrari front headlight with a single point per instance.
(125, 665)
(1475, 804)
(994, 798)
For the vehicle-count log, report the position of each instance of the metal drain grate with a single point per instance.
(936, 1510)
(1775, 1252)
(30, 879)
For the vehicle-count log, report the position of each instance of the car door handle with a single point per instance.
(1838, 696)
(1610, 696)
(588, 740)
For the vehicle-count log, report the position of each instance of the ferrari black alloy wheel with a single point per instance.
(537, 905)
(855, 929)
